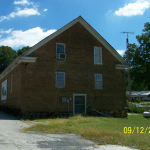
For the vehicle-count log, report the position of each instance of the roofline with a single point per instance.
(89, 28)
(102, 41)
(50, 37)
(138, 93)
(23, 57)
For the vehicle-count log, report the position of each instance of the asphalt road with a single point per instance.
(12, 139)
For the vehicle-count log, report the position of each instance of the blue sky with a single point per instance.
(26, 22)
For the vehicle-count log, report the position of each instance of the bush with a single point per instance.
(138, 100)
(137, 110)
(127, 103)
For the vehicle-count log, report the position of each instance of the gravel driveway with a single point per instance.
(12, 139)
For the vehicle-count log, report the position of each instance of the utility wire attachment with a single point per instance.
(128, 59)
(128, 33)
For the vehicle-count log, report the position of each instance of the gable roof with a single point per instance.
(89, 28)
(24, 57)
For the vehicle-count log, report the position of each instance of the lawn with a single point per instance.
(131, 131)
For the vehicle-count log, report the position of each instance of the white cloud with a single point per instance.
(7, 31)
(22, 12)
(132, 9)
(25, 12)
(22, 2)
(45, 9)
(3, 18)
(25, 38)
(121, 52)
(108, 12)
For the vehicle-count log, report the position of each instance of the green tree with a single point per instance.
(7, 55)
(140, 60)
(20, 51)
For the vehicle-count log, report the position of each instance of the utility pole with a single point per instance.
(128, 59)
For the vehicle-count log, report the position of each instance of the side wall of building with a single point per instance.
(13, 101)
(38, 82)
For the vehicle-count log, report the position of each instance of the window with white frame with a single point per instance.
(98, 81)
(60, 79)
(97, 55)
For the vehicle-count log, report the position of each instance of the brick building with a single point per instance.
(73, 70)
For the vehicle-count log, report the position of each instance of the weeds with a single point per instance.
(101, 129)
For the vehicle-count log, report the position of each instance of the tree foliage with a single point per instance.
(20, 51)
(140, 60)
(7, 55)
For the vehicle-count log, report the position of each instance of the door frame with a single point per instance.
(74, 101)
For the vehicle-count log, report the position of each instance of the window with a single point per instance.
(98, 81)
(60, 51)
(97, 55)
(60, 48)
(60, 79)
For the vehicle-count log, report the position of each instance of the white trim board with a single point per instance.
(15, 63)
(119, 66)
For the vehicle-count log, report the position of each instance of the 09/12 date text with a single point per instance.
(140, 130)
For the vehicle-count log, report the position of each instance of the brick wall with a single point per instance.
(13, 101)
(38, 88)
(34, 88)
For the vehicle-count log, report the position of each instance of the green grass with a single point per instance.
(102, 129)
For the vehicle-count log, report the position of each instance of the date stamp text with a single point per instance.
(141, 130)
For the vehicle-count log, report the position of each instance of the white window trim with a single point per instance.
(64, 48)
(64, 80)
(74, 101)
(95, 81)
(101, 56)
(11, 78)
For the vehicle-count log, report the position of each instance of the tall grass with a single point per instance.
(101, 129)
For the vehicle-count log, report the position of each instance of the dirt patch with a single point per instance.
(132, 114)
